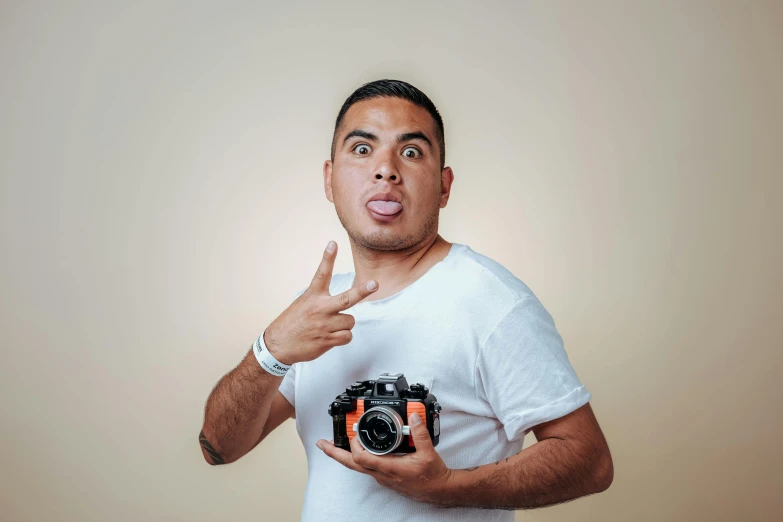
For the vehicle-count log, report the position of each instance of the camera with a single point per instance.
(377, 411)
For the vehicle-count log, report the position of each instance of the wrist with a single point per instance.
(267, 360)
(274, 349)
(448, 488)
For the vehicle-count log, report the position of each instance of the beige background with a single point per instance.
(162, 202)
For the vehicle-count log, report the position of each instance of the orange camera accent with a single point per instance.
(352, 418)
(417, 407)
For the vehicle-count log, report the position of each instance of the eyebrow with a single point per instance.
(408, 136)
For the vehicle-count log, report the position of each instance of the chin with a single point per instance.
(385, 237)
(384, 240)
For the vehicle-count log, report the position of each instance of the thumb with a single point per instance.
(421, 437)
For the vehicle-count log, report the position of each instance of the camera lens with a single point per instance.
(379, 427)
(380, 430)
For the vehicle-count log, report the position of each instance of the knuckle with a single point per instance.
(345, 299)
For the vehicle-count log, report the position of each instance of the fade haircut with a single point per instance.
(393, 89)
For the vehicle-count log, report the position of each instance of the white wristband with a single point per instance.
(267, 360)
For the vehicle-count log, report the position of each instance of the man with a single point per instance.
(438, 312)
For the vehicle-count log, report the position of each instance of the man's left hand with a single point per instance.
(421, 475)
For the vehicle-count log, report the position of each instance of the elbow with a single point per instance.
(604, 472)
(209, 459)
(211, 456)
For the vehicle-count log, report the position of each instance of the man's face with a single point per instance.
(382, 151)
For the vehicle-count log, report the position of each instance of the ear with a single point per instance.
(446, 179)
(328, 180)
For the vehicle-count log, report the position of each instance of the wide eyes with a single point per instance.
(410, 152)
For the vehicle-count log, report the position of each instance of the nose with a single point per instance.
(386, 168)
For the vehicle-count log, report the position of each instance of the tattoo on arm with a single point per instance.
(216, 459)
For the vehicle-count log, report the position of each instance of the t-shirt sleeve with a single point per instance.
(523, 371)
(288, 384)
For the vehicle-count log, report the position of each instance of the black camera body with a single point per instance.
(377, 411)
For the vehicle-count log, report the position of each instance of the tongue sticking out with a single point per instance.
(386, 208)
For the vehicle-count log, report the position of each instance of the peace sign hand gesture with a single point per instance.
(314, 322)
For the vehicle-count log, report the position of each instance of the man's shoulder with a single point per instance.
(477, 275)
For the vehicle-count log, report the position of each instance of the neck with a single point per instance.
(396, 269)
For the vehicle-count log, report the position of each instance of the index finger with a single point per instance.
(343, 457)
(323, 276)
(352, 296)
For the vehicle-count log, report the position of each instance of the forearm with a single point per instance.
(548, 472)
(237, 410)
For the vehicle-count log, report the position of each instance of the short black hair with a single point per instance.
(393, 89)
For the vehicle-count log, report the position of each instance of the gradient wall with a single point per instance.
(162, 201)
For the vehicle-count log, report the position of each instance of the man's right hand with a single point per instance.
(314, 324)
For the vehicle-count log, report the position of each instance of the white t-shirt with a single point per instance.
(478, 338)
